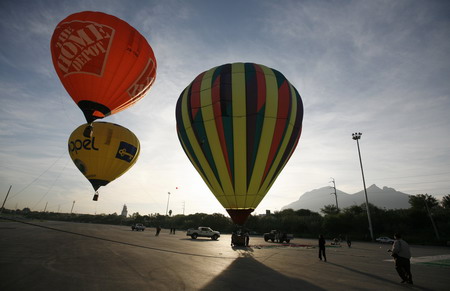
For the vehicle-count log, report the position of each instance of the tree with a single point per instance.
(422, 201)
(306, 212)
(329, 209)
(446, 201)
(355, 210)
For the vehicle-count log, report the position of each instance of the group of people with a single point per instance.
(399, 251)
(240, 237)
(158, 230)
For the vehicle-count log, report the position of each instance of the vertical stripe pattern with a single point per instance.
(239, 124)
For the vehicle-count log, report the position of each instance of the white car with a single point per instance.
(385, 240)
(203, 231)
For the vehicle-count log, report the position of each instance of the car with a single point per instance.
(278, 236)
(385, 240)
(203, 231)
(138, 227)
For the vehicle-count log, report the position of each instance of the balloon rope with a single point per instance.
(23, 189)
(53, 184)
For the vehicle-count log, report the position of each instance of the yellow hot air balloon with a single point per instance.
(106, 155)
(239, 124)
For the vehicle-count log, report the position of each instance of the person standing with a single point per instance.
(402, 254)
(349, 242)
(322, 248)
(247, 237)
(158, 230)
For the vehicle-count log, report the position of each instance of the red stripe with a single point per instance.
(195, 95)
(261, 81)
(282, 114)
(217, 110)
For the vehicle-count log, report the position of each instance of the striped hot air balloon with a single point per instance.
(239, 125)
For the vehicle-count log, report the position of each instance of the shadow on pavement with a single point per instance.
(246, 273)
(199, 239)
(378, 277)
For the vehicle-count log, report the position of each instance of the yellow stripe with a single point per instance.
(215, 186)
(293, 115)
(212, 136)
(265, 186)
(267, 132)
(239, 132)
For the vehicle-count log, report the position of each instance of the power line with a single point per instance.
(415, 176)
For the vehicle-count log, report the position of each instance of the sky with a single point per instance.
(381, 68)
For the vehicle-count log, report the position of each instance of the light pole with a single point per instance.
(356, 136)
(335, 194)
(168, 197)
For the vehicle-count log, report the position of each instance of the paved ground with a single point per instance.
(49, 255)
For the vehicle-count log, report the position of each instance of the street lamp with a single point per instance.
(168, 197)
(356, 136)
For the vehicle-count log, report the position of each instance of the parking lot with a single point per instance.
(47, 255)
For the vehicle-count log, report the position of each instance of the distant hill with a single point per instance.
(316, 199)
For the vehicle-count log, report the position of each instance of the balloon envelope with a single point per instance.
(239, 124)
(104, 63)
(105, 156)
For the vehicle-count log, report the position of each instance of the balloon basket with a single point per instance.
(95, 198)
(88, 131)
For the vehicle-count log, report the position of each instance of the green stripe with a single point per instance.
(239, 133)
(197, 150)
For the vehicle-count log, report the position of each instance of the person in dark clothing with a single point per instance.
(349, 242)
(402, 254)
(158, 230)
(322, 248)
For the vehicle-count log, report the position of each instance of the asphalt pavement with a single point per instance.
(49, 255)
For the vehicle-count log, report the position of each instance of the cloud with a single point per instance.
(376, 67)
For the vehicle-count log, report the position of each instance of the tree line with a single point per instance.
(427, 221)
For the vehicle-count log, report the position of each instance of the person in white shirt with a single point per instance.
(402, 254)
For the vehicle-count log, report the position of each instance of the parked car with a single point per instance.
(203, 232)
(138, 227)
(278, 236)
(385, 240)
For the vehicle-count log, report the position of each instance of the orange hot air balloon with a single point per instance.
(104, 63)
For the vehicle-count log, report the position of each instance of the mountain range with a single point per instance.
(314, 200)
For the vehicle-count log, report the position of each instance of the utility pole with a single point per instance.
(45, 208)
(1, 209)
(72, 206)
(335, 194)
(184, 204)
